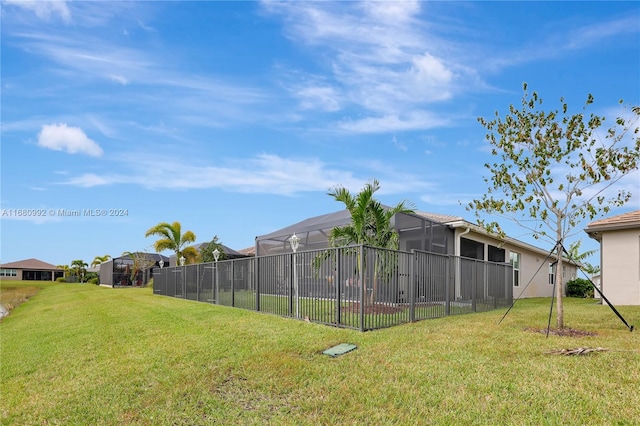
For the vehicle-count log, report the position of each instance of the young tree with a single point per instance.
(206, 251)
(555, 170)
(141, 262)
(370, 222)
(173, 239)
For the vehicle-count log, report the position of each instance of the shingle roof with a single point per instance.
(621, 221)
(249, 251)
(29, 264)
(438, 217)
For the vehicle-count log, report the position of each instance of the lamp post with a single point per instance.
(161, 263)
(216, 256)
(184, 277)
(295, 241)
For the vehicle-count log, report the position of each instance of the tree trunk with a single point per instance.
(559, 283)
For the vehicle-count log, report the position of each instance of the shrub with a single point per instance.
(94, 280)
(579, 288)
(150, 283)
(61, 280)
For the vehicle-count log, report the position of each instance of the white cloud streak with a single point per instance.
(265, 174)
(44, 9)
(60, 137)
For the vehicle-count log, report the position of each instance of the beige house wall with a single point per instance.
(620, 277)
(18, 276)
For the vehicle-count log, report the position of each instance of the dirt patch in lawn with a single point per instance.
(568, 332)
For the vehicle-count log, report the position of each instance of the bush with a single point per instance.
(94, 280)
(150, 283)
(61, 280)
(579, 288)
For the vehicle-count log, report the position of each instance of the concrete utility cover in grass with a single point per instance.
(340, 349)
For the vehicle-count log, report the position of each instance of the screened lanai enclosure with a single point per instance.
(132, 270)
(358, 287)
(415, 230)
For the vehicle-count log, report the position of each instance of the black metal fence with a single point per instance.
(357, 287)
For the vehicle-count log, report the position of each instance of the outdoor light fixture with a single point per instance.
(294, 241)
(182, 259)
(161, 263)
(216, 254)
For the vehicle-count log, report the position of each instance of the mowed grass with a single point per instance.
(82, 354)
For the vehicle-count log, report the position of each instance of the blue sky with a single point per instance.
(235, 118)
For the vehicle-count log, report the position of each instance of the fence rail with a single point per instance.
(358, 287)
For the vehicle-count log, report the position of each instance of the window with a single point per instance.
(495, 254)
(472, 249)
(8, 273)
(515, 262)
(552, 277)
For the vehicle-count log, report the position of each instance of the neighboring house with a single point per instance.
(122, 271)
(534, 273)
(249, 251)
(619, 238)
(30, 269)
(229, 253)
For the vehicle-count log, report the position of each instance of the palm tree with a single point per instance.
(65, 270)
(99, 259)
(370, 223)
(575, 255)
(172, 238)
(79, 268)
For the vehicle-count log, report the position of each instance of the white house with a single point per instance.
(619, 238)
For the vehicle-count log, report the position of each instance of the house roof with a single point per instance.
(153, 256)
(231, 253)
(249, 251)
(441, 218)
(29, 264)
(630, 220)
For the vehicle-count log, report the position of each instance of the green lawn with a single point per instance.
(83, 354)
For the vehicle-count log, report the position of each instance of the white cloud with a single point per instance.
(262, 174)
(60, 137)
(44, 9)
(419, 120)
(380, 56)
(325, 98)
(119, 79)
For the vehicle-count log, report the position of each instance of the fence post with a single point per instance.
(291, 285)
(338, 254)
(255, 270)
(197, 282)
(233, 285)
(447, 282)
(363, 285)
(411, 284)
